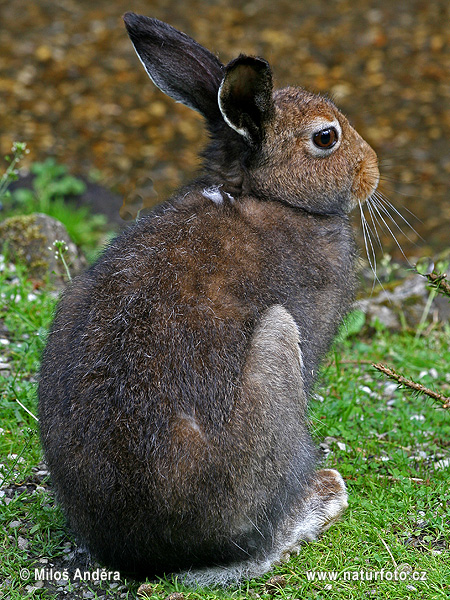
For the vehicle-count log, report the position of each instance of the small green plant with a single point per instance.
(51, 182)
(19, 150)
(61, 248)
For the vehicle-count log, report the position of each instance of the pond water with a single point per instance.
(72, 87)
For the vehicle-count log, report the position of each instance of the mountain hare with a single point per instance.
(174, 386)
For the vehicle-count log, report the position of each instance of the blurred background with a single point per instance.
(72, 87)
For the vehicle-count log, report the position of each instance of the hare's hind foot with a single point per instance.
(324, 505)
(330, 489)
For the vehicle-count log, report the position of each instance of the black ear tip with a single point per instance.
(130, 18)
(139, 25)
(254, 63)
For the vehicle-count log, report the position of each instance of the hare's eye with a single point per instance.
(326, 138)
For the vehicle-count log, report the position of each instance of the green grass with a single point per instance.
(391, 447)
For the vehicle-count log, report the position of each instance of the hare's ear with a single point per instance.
(245, 97)
(179, 66)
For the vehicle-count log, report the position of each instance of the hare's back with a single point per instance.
(164, 318)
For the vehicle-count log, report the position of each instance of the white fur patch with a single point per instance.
(317, 516)
(214, 194)
(230, 197)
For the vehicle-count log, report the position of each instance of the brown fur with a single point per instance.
(174, 386)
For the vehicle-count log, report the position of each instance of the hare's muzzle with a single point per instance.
(367, 175)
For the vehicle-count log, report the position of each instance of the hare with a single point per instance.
(174, 386)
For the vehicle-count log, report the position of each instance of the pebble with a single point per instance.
(22, 543)
(15, 524)
(16, 457)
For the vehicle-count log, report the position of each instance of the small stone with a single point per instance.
(442, 464)
(15, 524)
(22, 543)
(275, 583)
(20, 459)
(390, 387)
(145, 589)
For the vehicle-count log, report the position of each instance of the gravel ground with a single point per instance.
(71, 86)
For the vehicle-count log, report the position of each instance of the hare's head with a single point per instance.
(289, 145)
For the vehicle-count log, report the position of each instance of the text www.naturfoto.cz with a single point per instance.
(362, 575)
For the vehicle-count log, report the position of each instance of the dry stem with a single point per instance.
(418, 387)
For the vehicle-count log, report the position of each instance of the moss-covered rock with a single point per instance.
(28, 239)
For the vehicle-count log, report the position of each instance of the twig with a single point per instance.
(418, 387)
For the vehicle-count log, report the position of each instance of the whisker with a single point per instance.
(386, 206)
(385, 177)
(371, 256)
(397, 192)
(374, 222)
(383, 198)
(380, 206)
